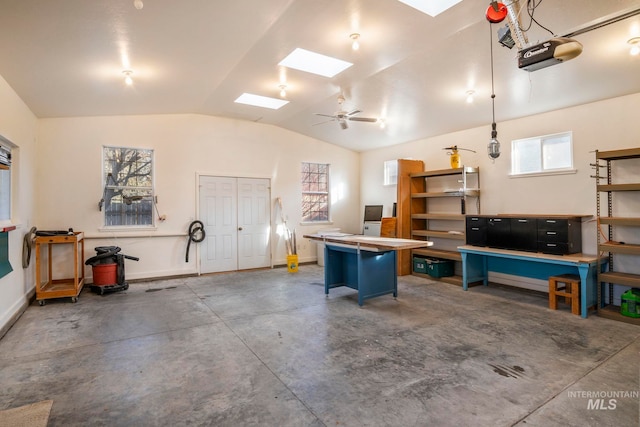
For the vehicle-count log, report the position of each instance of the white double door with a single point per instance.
(237, 220)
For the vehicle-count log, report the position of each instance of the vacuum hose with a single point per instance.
(196, 235)
(27, 245)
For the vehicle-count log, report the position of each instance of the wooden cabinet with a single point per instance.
(60, 288)
(440, 200)
(617, 192)
(406, 167)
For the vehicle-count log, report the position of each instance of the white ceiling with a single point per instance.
(65, 58)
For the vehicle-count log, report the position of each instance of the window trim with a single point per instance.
(11, 150)
(138, 227)
(328, 194)
(543, 172)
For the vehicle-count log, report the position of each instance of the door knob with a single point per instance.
(239, 228)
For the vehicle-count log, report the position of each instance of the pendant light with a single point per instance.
(493, 149)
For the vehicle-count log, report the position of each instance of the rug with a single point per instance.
(34, 415)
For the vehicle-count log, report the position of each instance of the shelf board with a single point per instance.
(619, 278)
(440, 234)
(438, 253)
(630, 153)
(453, 280)
(444, 172)
(60, 288)
(613, 312)
(619, 248)
(616, 220)
(468, 193)
(619, 187)
(440, 216)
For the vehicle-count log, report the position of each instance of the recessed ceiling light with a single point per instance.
(355, 44)
(261, 101)
(470, 95)
(127, 77)
(311, 62)
(431, 7)
(635, 46)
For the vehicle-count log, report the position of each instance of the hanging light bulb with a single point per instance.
(382, 123)
(355, 45)
(138, 4)
(127, 77)
(283, 90)
(493, 149)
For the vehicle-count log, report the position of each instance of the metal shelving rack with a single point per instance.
(610, 246)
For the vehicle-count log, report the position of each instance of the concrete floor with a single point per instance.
(267, 348)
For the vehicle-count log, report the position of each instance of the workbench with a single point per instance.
(365, 263)
(60, 288)
(477, 261)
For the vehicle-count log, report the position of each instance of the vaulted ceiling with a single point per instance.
(66, 57)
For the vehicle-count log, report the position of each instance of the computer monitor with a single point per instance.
(373, 213)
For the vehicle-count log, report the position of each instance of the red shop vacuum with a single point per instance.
(108, 270)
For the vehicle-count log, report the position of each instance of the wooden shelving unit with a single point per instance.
(609, 247)
(440, 200)
(59, 288)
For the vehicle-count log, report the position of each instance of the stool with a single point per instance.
(567, 286)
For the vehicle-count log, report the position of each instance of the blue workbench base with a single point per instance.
(476, 264)
(370, 273)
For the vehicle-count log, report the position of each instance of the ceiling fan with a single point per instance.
(341, 116)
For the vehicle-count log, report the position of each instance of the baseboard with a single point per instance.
(16, 311)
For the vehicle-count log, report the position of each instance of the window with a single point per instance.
(128, 186)
(5, 181)
(542, 154)
(315, 192)
(390, 172)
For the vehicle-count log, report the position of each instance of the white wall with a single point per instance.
(18, 125)
(69, 179)
(606, 125)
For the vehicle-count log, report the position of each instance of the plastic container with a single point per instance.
(292, 263)
(419, 265)
(439, 268)
(105, 274)
(630, 303)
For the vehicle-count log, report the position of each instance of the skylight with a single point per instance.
(261, 101)
(431, 7)
(311, 62)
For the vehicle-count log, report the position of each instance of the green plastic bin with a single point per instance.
(419, 265)
(630, 305)
(439, 267)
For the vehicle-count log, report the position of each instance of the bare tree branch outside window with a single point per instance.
(315, 192)
(128, 175)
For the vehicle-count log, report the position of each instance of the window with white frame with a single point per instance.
(542, 154)
(128, 187)
(390, 172)
(315, 192)
(5, 182)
